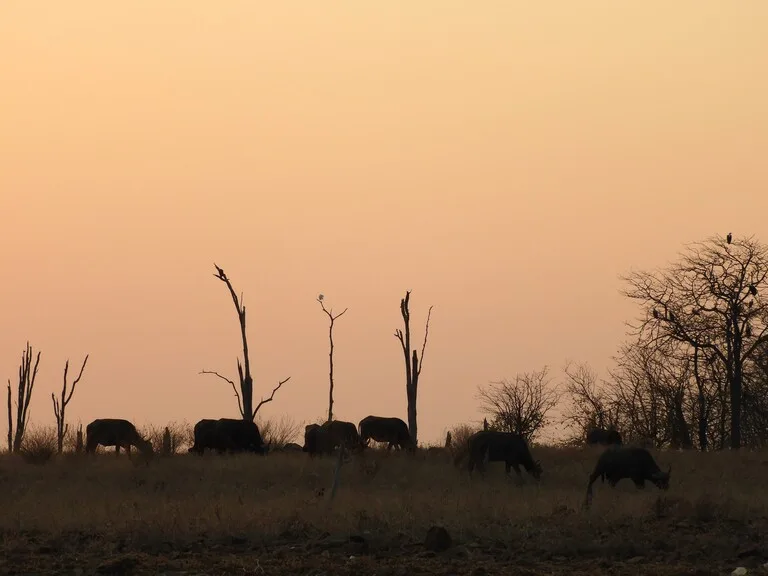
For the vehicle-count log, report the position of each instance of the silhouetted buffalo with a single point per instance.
(628, 462)
(381, 429)
(603, 437)
(115, 432)
(204, 435)
(331, 435)
(228, 435)
(507, 447)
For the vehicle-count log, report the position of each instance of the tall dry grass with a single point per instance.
(187, 497)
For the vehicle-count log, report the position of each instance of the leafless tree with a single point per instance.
(589, 404)
(60, 405)
(413, 363)
(709, 302)
(27, 375)
(247, 411)
(331, 318)
(520, 405)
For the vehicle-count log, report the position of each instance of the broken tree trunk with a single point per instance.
(413, 363)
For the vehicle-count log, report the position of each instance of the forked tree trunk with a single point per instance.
(413, 364)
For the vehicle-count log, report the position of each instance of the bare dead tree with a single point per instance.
(332, 318)
(27, 375)
(521, 405)
(710, 302)
(413, 363)
(589, 404)
(244, 403)
(60, 405)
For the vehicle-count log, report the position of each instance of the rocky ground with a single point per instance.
(661, 547)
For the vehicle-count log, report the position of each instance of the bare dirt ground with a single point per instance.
(272, 516)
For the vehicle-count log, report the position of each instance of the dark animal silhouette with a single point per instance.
(507, 447)
(313, 438)
(228, 435)
(204, 434)
(729, 238)
(381, 429)
(291, 447)
(115, 432)
(331, 435)
(635, 463)
(603, 437)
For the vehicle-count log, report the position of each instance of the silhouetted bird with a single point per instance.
(750, 303)
(749, 331)
(729, 238)
(671, 317)
(655, 313)
(753, 289)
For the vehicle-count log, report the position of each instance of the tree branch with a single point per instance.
(424, 346)
(234, 387)
(271, 396)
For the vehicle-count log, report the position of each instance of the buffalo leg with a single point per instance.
(592, 478)
(639, 483)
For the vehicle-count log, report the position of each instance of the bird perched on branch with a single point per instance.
(729, 238)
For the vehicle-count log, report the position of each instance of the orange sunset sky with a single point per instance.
(505, 160)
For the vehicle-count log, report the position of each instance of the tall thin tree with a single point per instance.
(413, 363)
(247, 411)
(332, 319)
(60, 405)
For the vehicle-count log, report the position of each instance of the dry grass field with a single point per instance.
(272, 515)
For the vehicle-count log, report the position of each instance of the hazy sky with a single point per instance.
(506, 161)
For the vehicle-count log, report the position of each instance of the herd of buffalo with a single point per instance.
(236, 435)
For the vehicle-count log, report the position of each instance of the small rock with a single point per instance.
(635, 560)
(325, 554)
(122, 565)
(740, 571)
(437, 539)
(358, 544)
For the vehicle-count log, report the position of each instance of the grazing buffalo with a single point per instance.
(228, 435)
(628, 462)
(115, 432)
(507, 447)
(391, 430)
(326, 438)
(603, 437)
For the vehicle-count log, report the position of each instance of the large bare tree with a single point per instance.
(60, 405)
(27, 376)
(331, 320)
(709, 302)
(413, 363)
(244, 402)
(520, 405)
